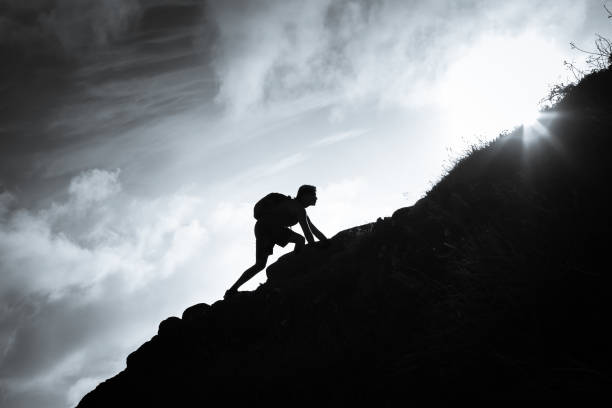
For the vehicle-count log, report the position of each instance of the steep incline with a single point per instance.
(495, 285)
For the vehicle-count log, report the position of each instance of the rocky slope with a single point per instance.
(494, 285)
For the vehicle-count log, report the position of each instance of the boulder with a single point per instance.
(196, 313)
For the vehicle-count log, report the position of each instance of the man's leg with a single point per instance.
(298, 240)
(260, 264)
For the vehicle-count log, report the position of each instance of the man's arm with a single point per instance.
(315, 231)
(303, 220)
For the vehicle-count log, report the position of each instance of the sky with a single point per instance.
(136, 135)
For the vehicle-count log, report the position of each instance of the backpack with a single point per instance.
(268, 204)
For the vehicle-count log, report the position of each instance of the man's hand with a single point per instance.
(315, 231)
(324, 243)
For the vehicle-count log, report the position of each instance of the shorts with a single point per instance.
(267, 235)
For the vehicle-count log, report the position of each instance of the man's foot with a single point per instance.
(230, 293)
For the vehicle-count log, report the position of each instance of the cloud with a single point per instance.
(87, 278)
(273, 166)
(274, 43)
(96, 233)
(339, 137)
(101, 78)
(354, 51)
(81, 281)
(278, 51)
(93, 186)
(63, 26)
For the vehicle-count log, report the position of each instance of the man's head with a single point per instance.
(307, 195)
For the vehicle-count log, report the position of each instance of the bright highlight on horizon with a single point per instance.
(498, 84)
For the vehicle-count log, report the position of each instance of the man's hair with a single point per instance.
(305, 189)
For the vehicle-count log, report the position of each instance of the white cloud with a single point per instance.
(281, 51)
(273, 42)
(82, 387)
(90, 268)
(93, 186)
(282, 164)
(339, 137)
(269, 168)
(229, 217)
(96, 233)
(385, 52)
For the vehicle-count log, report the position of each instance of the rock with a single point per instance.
(354, 233)
(401, 213)
(143, 357)
(196, 313)
(170, 327)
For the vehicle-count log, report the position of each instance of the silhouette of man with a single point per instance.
(274, 229)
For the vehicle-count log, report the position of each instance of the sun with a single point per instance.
(530, 118)
(497, 85)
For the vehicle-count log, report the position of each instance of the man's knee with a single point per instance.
(299, 240)
(260, 263)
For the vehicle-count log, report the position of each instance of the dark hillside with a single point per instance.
(495, 285)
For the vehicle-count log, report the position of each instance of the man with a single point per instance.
(273, 229)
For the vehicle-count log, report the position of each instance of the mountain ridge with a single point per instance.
(491, 286)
